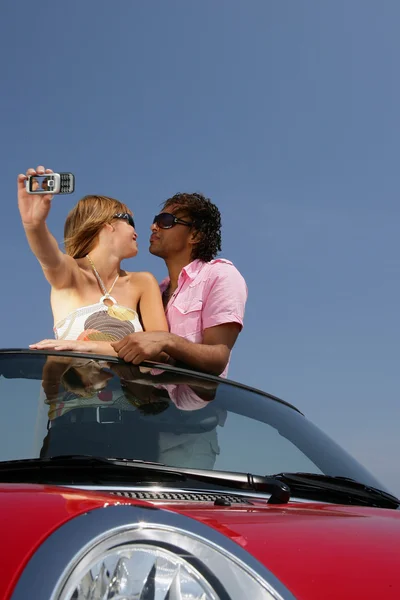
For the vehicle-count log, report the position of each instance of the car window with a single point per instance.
(262, 446)
(60, 405)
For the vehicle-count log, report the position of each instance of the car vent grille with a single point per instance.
(185, 496)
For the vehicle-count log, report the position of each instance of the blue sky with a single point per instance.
(287, 115)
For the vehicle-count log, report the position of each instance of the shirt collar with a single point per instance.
(191, 270)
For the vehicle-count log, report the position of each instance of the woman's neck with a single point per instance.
(107, 264)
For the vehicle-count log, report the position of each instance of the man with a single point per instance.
(204, 297)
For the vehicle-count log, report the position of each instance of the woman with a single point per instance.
(94, 301)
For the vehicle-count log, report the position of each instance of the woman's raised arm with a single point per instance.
(58, 268)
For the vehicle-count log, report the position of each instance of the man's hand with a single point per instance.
(211, 356)
(145, 345)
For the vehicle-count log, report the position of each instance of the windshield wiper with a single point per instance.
(80, 468)
(342, 490)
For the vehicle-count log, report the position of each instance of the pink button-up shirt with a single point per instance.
(208, 294)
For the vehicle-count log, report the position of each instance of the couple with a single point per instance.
(98, 307)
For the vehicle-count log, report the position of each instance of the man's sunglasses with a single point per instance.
(127, 217)
(166, 221)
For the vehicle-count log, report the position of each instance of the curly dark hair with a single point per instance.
(206, 220)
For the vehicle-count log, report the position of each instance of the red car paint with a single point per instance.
(29, 514)
(319, 551)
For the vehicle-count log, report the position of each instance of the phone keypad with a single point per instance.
(66, 186)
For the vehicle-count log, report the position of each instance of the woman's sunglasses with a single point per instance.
(127, 217)
(166, 221)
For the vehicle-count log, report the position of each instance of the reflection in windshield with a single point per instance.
(85, 394)
(63, 405)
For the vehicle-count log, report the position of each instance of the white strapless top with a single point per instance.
(98, 322)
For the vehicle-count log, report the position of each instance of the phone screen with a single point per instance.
(42, 183)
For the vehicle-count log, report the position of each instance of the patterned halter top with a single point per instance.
(106, 320)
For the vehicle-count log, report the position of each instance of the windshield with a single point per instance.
(63, 405)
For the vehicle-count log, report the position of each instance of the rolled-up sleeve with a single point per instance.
(226, 296)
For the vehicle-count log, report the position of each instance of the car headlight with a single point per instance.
(143, 553)
(136, 571)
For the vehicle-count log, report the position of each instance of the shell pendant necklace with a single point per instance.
(106, 297)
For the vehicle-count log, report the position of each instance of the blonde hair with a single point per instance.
(85, 221)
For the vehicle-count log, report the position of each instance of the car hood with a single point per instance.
(319, 550)
(316, 550)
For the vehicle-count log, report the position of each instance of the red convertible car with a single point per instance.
(160, 483)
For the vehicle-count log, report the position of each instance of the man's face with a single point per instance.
(167, 243)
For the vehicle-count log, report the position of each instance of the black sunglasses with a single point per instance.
(127, 217)
(166, 221)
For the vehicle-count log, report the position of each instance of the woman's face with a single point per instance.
(93, 377)
(127, 238)
(122, 238)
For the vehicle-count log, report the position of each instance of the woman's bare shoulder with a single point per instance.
(143, 279)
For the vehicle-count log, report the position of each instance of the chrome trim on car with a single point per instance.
(67, 546)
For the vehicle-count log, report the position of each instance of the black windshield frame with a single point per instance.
(178, 370)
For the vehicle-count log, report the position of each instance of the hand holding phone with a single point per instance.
(34, 200)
